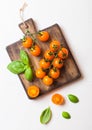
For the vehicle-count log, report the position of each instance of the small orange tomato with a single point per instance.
(49, 55)
(33, 91)
(54, 45)
(63, 53)
(57, 62)
(40, 73)
(57, 99)
(54, 73)
(43, 36)
(44, 64)
(47, 80)
(35, 50)
(27, 42)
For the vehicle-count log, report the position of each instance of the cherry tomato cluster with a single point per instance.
(52, 61)
(29, 41)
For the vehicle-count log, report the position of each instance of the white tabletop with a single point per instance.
(17, 112)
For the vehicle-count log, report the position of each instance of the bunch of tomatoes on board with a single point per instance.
(52, 60)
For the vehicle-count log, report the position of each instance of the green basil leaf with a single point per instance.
(24, 57)
(29, 74)
(73, 98)
(16, 67)
(45, 116)
(66, 115)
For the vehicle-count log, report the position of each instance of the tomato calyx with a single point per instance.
(54, 69)
(55, 46)
(32, 48)
(55, 54)
(60, 62)
(31, 35)
(49, 75)
(64, 55)
(46, 60)
(24, 39)
(40, 33)
(50, 53)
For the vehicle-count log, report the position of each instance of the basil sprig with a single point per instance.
(46, 116)
(21, 66)
(28, 74)
(66, 115)
(24, 57)
(16, 67)
(73, 98)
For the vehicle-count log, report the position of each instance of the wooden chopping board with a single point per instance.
(69, 72)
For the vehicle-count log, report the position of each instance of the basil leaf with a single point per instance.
(45, 116)
(73, 98)
(29, 74)
(66, 115)
(16, 67)
(24, 57)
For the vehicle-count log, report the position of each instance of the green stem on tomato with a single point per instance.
(32, 36)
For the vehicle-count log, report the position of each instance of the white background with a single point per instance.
(17, 112)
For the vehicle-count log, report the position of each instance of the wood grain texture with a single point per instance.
(69, 72)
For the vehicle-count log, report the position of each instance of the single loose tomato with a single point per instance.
(47, 80)
(45, 64)
(54, 73)
(57, 99)
(40, 73)
(63, 53)
(43, 36)
(35, 50)
(33, 91)
(57, 62)
(27, 42)
(54, 45)
(49, 55)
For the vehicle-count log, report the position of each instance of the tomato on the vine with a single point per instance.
(49, 55)
(63, 53)
(43, 36)
(35, 50)
(58, 63)
(40, 73)
(54, 45)
(54, 73)
(45, 64)
(27, 42)
(47, 80)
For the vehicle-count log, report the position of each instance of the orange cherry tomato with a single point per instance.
(57, 99)
(54, 45)
(35, 50)
(40, 73)
(63, 53)
(54, 73)
(49, 55)
(47, 80)
(27, 42)
(43, 36)
(58, 63)
(44, 64)
(33, 91)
